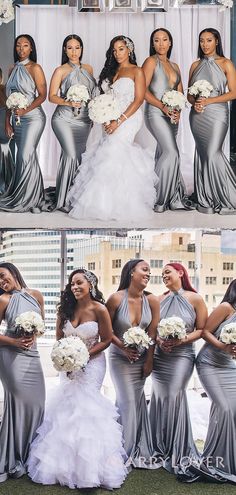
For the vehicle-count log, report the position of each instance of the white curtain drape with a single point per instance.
(51, 24)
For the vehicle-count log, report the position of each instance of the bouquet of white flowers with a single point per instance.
(174, 100)
(137, 338)
(69, 354)
(6, 11)
(17, 100)
(29, 323)
(228, 333)
(172, 328)
(104, 108)
(201, 88)
(79, 94)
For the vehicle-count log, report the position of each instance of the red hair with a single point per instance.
(186, 284)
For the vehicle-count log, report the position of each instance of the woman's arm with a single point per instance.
(54, 87)
(139, 92)
(104, 329)
(59, 331)
(39, 297)
(41, 86)
(152, 332)
(22, 342)
(218, 315)
(191, 98)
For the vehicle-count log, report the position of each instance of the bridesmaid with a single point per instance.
(163, 75)
(21, 375)
(72, 130)
(26, 192)
(132, 306)
(217, 371)
(172, 368)
(6, 161)
(214, 179)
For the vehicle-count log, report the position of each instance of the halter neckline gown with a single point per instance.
(129, 386)
(79, 444)
(214, 178)
(169, 415)
(24, 392)
(170, 188)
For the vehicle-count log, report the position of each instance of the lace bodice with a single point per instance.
(122, 89)
(87, 331)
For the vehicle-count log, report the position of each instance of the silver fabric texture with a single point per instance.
(214, 178)
(26, 192)
(24, 393)
(72, 132)
(169, 416)
(217, 372)
(170, 189)
(129, 387)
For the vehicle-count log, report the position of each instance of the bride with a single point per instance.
(79, 444)
(116, 179)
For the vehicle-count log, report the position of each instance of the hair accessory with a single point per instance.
(129, 44)
(91, 278)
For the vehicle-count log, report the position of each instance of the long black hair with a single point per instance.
(110, 67)
(230, 295)
(128, 268)
(67, 305)
(64, 58)
(33, 53)
(152, 50)
(14, 272)
(216, 34)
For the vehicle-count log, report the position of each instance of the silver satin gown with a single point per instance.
(24, 393)
(214, 178)
(170, 189)
(129, 387)
(6, 160)
(217, 372)
(169, 416)
(72, 132)
(26, 192)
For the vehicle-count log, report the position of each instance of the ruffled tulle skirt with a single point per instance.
(79, 443)
(116, 178)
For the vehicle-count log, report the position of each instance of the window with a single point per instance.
(227, 280)
(155, 279)
(206, 298)
(115, 279)
(181, 241)
(156, 263)
(228, 266)
(210, 280)
(116, 263)
(191, 264)
(91, 265)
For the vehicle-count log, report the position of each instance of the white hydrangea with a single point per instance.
(228, 333)
(201, 88)
(69, 354)
(30, 322)
(175, 100)
(17, 100)
(104, 108)
(77, 93)
(6, 11)
(136, 337)
(172, 328)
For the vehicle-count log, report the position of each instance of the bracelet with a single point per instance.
(118, 121)
(125, 116)
(152, 342)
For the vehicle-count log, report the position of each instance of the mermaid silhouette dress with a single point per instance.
(26, 191)
(169, 416)
(24, 392)
(72, 131)
(217, 372)
(170, 188)
(129, 386)
(79, 444)
(116, 178)
(214, 178)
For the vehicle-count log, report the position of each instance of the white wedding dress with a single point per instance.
(79, 443)
(116, 178)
